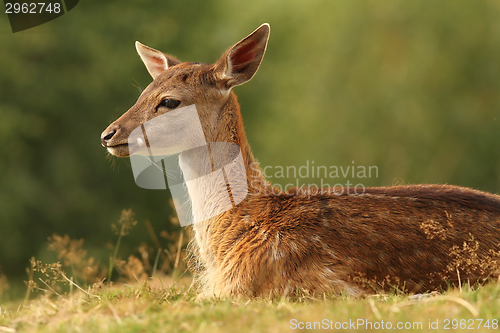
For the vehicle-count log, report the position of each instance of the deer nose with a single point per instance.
(106, 136)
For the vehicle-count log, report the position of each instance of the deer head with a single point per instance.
(177, 85)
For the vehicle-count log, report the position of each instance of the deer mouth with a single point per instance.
(128, 148)
(119, 150)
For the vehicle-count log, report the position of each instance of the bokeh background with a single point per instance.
(412, 87)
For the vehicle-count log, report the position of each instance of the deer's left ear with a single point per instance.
(239, 64)
(156, 62)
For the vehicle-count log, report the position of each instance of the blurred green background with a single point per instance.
(412, 87)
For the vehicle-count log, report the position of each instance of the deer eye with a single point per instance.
(169, 103)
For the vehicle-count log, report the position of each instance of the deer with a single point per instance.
(412, 238)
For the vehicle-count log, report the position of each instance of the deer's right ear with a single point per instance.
(239, 64)
(156, 62)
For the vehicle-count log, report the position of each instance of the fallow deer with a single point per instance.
(413, 237)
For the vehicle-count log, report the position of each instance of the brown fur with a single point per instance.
(329, 242)
(415, 238)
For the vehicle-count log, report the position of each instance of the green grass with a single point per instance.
(58, 302)
(154, 307)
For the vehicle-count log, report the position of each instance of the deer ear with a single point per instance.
(239, 63)
(156, 62)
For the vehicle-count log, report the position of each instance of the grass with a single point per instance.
(80, 301)
(151, 307)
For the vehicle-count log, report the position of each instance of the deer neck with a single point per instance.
(204, 176)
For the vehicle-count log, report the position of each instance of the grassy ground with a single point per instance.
(143, 304)
(151, 307)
